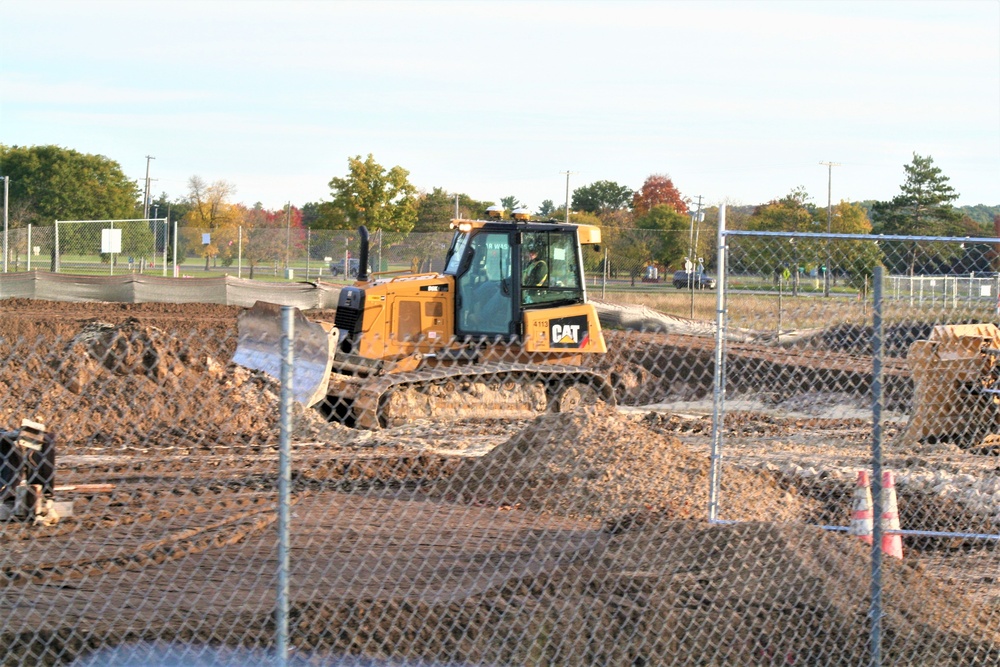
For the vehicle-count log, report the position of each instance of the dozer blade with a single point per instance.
(259, 348)
(955, 377)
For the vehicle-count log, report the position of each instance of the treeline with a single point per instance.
(653, 224)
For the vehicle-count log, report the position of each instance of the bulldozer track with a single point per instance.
(444, 390)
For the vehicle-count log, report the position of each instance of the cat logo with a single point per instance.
(569, 332)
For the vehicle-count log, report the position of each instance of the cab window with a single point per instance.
(550, 268)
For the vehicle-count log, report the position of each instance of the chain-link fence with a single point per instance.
(29, 248)
(874, 381)
(107, 246)
(712, 516)
(632, 259)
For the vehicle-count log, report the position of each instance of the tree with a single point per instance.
(923, 207)
(211, 213)
(49, 183)
(269, 236)
(658, 189)
(857, 259)
(601, 196)
(546, 209)
(372, 196)
(791, 213)
(669, 243)
(436, 209)
(510, 203)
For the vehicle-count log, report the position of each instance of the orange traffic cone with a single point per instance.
(861, 509)
(892, 545)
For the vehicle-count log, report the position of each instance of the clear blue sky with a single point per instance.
(736, 101)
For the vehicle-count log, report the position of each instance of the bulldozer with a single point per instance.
(502, 330)
(956, 385)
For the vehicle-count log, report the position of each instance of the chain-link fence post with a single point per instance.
(718, 384)
(284, 479)
(876, 582)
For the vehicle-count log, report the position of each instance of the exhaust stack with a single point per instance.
(363, 255)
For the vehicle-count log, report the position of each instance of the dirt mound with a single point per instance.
(129, 348)
(683, 592)
(768, 593)
(106, 387)
(596, 463)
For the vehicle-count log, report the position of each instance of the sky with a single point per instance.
(738, 102)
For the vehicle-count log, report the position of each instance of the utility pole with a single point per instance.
(456, 207)
(288, 232)
(145, 196)
(567, 192)
(829, 222)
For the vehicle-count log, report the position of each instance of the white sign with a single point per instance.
(206, 239)
(111, 241)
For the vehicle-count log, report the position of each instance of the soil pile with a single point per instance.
(596, 463)
(135, 385)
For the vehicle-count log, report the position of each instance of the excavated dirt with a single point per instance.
(565, 539)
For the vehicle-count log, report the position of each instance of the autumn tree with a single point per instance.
(923, 207)
(794, 213)
(370, 195)
(602, 196)
(211, 214)
(658, 189)
(270, 236)
(856, 259)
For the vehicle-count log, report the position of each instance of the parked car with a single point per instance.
(337, 268)
(686, 279)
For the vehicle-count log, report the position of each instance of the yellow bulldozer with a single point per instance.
(956, 385)
(502, 330)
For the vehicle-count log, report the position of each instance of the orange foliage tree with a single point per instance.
(658, 189)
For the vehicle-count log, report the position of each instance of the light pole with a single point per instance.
(288, 233)
(145, 196)
(829, 222)
(696, 219)
(567, 192)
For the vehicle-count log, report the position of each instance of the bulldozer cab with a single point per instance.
(502, 270)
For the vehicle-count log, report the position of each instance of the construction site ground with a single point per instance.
(577, 528)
